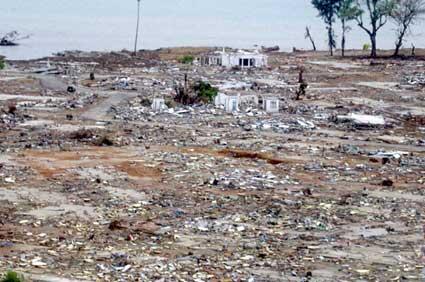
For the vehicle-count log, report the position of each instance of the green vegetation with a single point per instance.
(2, 64)
(12, 276)
(347, 12)
(328, 10)
(187, 59)
(205, 91)
(344, 10)
(372, 16)
(405, 14)
(366, 47)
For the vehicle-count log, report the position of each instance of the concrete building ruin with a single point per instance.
(230, 103)
(240, 58)
(158, 105)
(271, 104)
(234, 102)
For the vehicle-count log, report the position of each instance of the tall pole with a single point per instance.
(137, 27)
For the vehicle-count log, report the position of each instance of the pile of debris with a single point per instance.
(250, 186)
(283, 126)
(360, 121)
(109, 60)
(11, 38)
(11, 117)
(415, 79)
(80, 101)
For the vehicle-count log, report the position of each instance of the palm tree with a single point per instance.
(137, 27)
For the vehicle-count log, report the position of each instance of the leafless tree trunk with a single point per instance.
(400, 37)
(405, 14)
(331, 39)
(378, 12)
(137, 27)
(344, 29)
(308, 35)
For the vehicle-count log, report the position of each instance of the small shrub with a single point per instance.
(2, 64)
(12, 108)
(366, 47)
(205, 92)
(145, 102)
(12, 276)
(82, 134)
(103, 141)
(188, 59)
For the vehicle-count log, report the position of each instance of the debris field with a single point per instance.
(96, 185)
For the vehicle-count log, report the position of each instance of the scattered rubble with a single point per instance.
(360, 120)
(416, 79)
(117, 181)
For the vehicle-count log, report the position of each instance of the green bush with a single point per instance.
(366, 47)
(2, 65)
(12, 276)
(205, 91)
(188, 59)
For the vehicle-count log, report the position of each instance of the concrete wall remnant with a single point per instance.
(232, 104)
(271, 104)
(220, 99)
(158, 104)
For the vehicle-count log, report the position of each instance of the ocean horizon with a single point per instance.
(98, 25)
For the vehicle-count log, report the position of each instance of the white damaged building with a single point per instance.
(241, 58)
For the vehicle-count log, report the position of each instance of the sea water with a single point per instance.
(57, 25)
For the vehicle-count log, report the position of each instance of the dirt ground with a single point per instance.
(96, 186)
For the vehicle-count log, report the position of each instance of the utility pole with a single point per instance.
(137, 27)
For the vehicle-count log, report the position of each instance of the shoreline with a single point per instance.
(350, 53)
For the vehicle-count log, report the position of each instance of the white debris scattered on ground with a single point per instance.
(362, 120)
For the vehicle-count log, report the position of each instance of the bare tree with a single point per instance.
(327, 11)
(308, 36)
(137, 27)
(347, 12)
(378, 12)
(405, 14)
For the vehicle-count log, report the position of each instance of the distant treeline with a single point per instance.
(370, 16)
